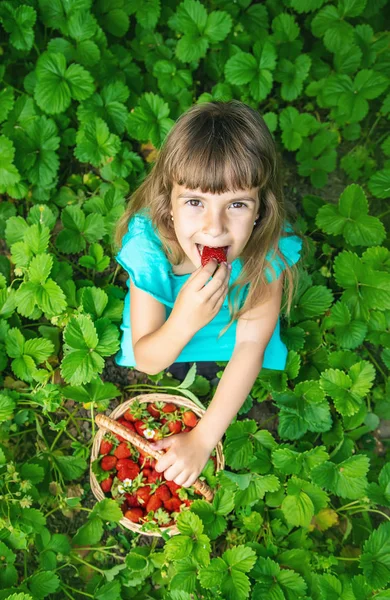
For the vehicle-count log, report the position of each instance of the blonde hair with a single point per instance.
(233, 140)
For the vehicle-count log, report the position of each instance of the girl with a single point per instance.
(215, 188)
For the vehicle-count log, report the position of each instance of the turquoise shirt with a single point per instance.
(143, 257)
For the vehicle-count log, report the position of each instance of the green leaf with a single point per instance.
(218, 26)
(350, 218)
(365, 288)
(56, 84)
(71, 467)
(178, 547)
(238, 447)
(40, 267)
(347, 479)
(7, 406)
(241, 68)
(9, 175)
(90, 533)
(149, 120)
(39, 349)
(337, 384)
(189, 524)
(375, 560)
(19, 24)
(379, 184)
(44, 583)
(349, 333)
(329, 24)
(107, 510)
(39, 157)
(95, 144)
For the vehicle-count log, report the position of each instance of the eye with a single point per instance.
(196, 206)
(241, 203)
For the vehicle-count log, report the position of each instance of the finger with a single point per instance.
(161, 444)
(218, 298)
(164, 462)
(215, 284)
(172, 473)
(203, 274)
(188, 483)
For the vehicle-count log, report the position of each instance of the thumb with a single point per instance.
(161, 444)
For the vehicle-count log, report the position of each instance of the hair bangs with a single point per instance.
(216, 158)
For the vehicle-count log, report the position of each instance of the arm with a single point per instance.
(190, 451)
(156, 351)
(252, 338)
(157, 341)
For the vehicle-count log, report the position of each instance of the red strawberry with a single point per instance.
(186, 429)
(209, 253)
(134, 514)
(105, 447)
(122, 451)
(163, 492)
(132, 500)
(128, 415)
(108, 463)
(106, 484)
(163, 421)
(153, 503)
(140, 426)
(146, 473)
(154, 476)
(189, 418)
(126, 424)
(174, 426)
(169, 407)
(143, 494)
(146, 462)
(128, 473)
(173, 487)
(119, 437)
(153, 410)
(124, 463)
(173, 504)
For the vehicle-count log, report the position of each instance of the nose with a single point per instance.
(213, 223)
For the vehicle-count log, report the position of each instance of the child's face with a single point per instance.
(213, 220)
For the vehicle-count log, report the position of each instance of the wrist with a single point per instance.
(181, 325)
(203, 437)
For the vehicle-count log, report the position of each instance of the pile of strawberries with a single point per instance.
(128, 474)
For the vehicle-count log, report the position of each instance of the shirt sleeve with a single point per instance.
(143, 258)
(290, 246)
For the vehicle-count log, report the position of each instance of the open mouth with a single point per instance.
(200, 249)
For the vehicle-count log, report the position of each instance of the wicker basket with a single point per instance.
(116, 414)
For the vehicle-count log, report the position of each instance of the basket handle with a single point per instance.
(139, 442)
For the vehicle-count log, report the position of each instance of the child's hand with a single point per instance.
(185, 459)
(198, 302)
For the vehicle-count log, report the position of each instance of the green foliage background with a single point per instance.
(88, 92)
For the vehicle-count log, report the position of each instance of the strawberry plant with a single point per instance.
(88, 92)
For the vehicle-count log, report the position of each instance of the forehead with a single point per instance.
(179, 191)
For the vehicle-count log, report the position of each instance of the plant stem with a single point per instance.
(67, 593)
(383, 214)
(375, 362)
(345, 506)
(92, 422)
(342, 558)
(87, 564)
(78, 591)
(362, 509)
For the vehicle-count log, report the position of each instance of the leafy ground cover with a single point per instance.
(89, 90)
